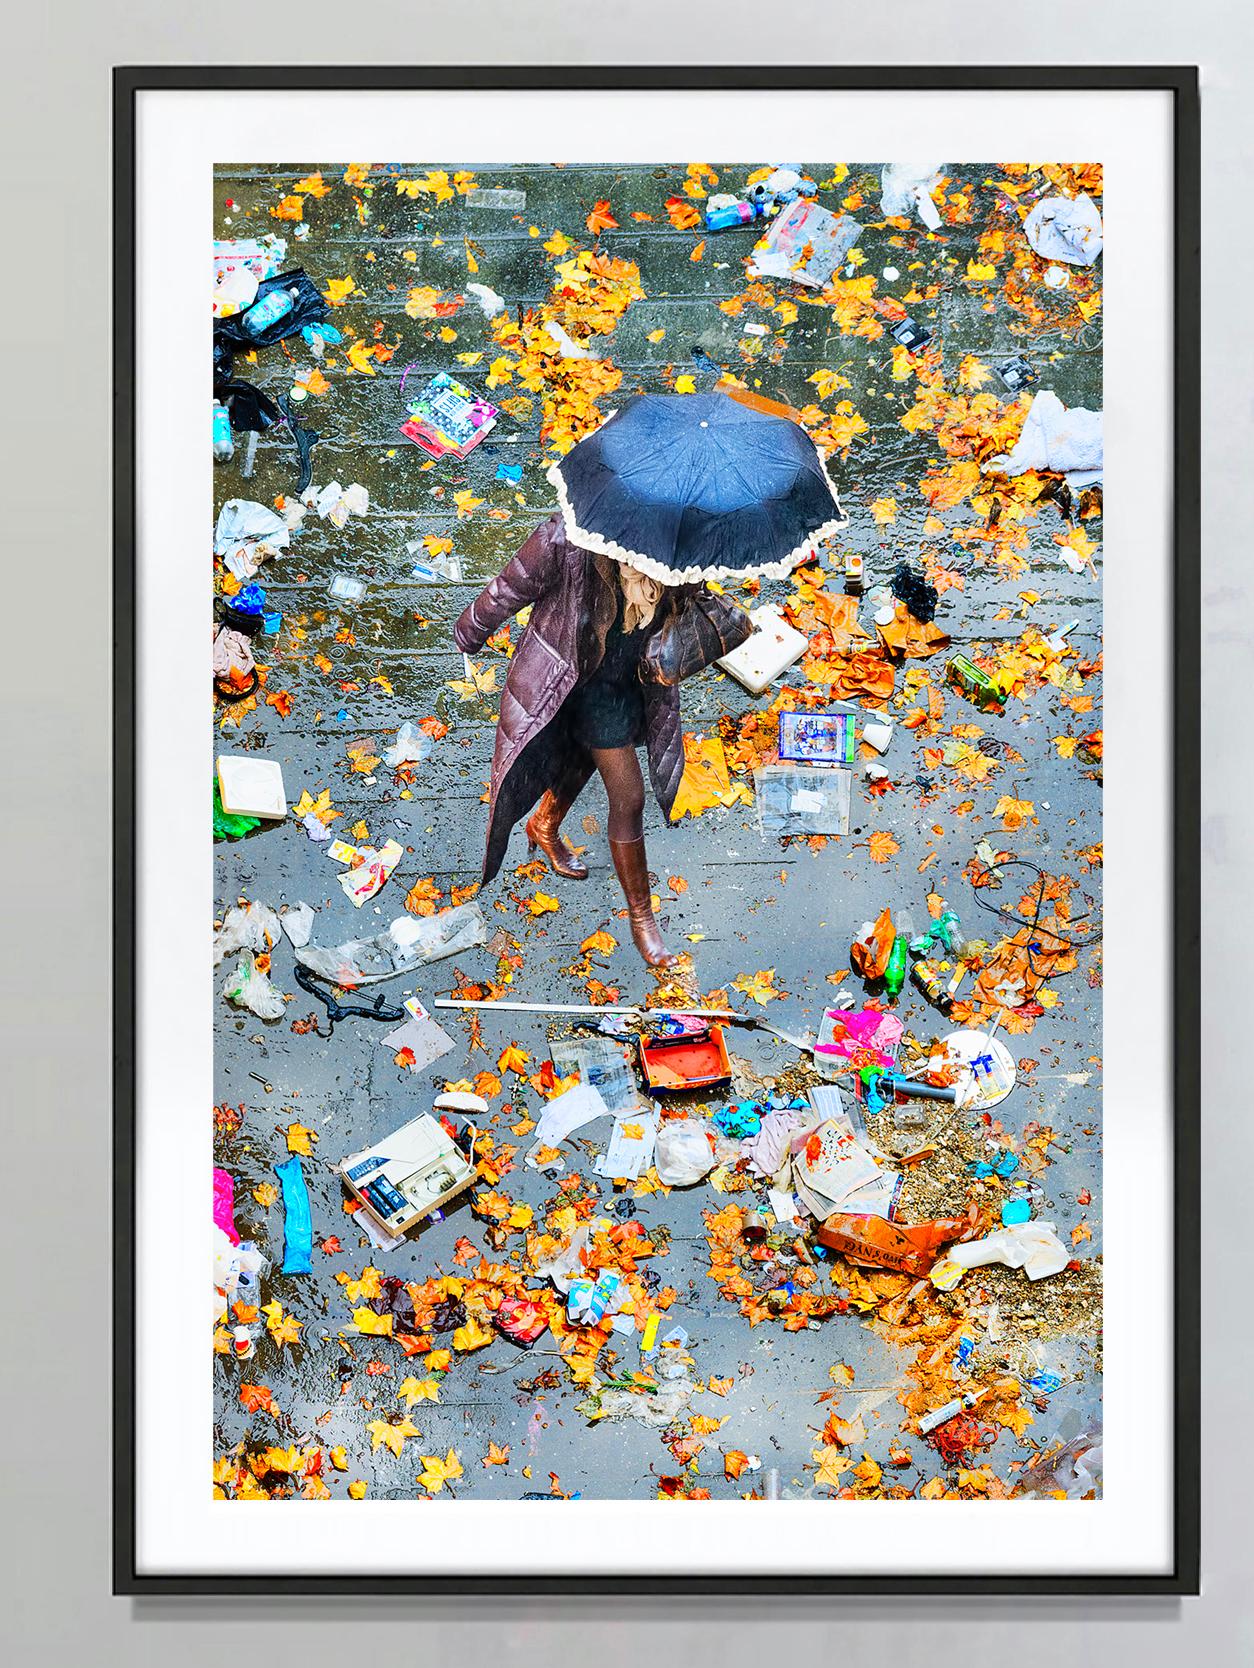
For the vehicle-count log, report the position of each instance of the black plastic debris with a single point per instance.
(250, 410)
(920, 597)
(1016, 373)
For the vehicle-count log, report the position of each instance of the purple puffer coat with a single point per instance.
(574, 602)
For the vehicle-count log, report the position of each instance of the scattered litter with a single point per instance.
(251, 787)
(251, 926)
(367, 869)
(1056, 437)
(1065, 229)
(297, 1224)
(297, 922)
(412, 746)
(798, 799)
(406, 944)
(248, 987)
(907, 188)
(805, 244)
(684, 1153)
(562, 1115)
(420, 1041)
(336, 503)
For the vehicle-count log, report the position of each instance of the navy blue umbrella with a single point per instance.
(685, 487)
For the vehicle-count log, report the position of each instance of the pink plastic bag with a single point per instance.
(224, 1204)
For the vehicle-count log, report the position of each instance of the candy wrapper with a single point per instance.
(521, 1320)
(368, 868)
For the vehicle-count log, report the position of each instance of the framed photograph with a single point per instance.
(529, 1091)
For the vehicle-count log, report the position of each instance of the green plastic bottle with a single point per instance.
(899, 956)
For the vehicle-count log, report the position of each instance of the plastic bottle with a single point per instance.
(722, 216)
(899, 955)
(223, 439)
(276, 304)
(948, 929)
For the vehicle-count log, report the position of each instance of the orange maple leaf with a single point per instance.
(602, 218)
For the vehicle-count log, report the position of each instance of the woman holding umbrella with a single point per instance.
(669, 492)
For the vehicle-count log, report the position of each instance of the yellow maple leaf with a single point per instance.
(734, 1462)
(831, 1463)
(885, 511)
(437, 1472)
(368, 1286)
(760, 986)
(478, 683)
(882, 846)
(359, 357)
(474, 1335)
(1014, 812)
(495, 1455)
(320, 808)
(602, 941)
(384, 1433)
(513, 1059)
(300, 1140)
(338, 1458)
(685, 384)
(542, 904)
(265, 1193)
(418, 1390)
(466, 502)
(338, 290)
(868, 1472)
(372, 1324)
(357, 1489)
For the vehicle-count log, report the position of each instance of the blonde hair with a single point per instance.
(642, 596)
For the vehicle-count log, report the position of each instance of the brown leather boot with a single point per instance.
(632, 869)
(544, 829)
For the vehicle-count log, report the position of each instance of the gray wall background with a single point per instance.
(54, 325)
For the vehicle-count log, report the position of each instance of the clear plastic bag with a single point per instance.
(253, 926)
(407, 943)
(410, 747)
(683, 1154)
(249, 988)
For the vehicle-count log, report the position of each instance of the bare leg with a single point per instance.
(620, 771)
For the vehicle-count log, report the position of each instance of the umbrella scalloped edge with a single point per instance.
(689, 576)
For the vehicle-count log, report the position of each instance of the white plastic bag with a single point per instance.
(255, 926)
(1065, 229)
(1055, 436)
(410, 747)
(683, 1154)
(907, 187)
(249, 988)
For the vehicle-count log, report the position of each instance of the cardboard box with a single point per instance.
(409, 1174)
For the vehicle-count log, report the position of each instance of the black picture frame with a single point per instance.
(1181, 82)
